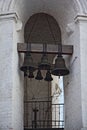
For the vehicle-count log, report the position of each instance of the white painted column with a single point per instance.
(82, 21)
(11, 83)
(75, 84)
(72, 83)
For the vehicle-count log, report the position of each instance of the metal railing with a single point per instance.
(43, 114)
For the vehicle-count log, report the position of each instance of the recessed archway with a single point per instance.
(43, 29)
(61, 11)
(64, 12)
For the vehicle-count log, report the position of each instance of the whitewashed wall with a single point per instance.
(82, 21)
(11, 97)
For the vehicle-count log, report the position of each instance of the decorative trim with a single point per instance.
(19, 25)
(80, 18)
(9, 15)
(70, 28)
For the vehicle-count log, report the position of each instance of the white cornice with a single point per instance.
(82, 17)
(9, 15)
(12, 16)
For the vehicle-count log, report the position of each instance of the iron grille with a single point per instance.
(43, 114)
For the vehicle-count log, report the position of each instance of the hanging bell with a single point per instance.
(28, 63)
(44, 65)
(30, 74)
(60, 68)
(39, 75)
(48, 76)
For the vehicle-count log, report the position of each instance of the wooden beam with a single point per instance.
(51, 48)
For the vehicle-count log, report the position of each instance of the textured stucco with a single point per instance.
(11, 90)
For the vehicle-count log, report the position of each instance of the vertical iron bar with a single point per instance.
(40, 113)
(59, 115)
(35, 117)
(31, 114)
(27, 114)
(43, 115)
(26, 104)
(63, 115)
(48, 103)
(55, 115)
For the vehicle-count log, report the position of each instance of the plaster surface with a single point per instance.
(75, 84)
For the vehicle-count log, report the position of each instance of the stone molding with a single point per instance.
(70, 28)
(12, 16)
(9, 15)
(80, 18)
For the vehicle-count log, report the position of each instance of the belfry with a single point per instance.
(43, 63)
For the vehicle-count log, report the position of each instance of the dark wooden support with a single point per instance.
(51, 48)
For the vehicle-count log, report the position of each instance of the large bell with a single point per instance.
(60, 68)
(28, 63)
(48, 76)
(30, 74)
(39, 75)
(44, 65)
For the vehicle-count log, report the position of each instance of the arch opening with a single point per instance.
(40, 109)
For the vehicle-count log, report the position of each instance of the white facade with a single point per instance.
(72, 18)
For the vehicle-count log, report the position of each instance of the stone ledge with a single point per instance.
(9, 15)
(80, 17)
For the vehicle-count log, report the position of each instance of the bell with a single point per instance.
(30, 74)
(28, 63)
(39, 75)
(60, 68)
(44, 65)
(48, 76)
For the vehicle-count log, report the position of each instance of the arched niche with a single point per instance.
(64, 12)
(61, 11)
(40, 28)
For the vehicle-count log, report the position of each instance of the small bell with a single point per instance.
(60, 68)
(48, 76)
(30, 74)
(39, 75)
(44, 65)
(28, 63)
